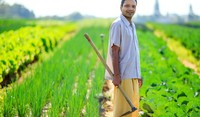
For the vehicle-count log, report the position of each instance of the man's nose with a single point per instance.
(131, 9)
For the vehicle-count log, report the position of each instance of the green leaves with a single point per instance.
(169, 88)
(21, 47)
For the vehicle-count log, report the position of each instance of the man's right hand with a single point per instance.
(116, 80)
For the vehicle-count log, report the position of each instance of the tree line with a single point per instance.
(15, 11)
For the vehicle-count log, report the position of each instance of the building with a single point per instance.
(169, 18)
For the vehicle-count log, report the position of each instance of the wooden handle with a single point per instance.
(98, 54)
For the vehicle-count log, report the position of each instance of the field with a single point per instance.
(47, 68)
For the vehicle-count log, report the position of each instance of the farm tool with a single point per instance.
(110, 72)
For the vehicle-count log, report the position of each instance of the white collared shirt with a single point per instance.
(129, 58)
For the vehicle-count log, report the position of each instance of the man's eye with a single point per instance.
(134, 6)
(126, 5)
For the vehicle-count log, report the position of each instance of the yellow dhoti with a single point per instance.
(131, 88)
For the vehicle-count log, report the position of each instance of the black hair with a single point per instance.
(122, 2)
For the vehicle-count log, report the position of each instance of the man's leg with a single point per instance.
(131, 88)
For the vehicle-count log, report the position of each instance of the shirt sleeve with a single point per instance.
(115, 33)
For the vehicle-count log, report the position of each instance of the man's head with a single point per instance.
(122, 2)
(128, 8)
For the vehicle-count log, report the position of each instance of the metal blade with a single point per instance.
(133, 109)
(126, 113)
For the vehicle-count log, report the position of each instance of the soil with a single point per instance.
(106, 100)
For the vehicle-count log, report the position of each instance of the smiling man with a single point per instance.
(124, 59)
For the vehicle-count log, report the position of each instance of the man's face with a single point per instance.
(128, 9)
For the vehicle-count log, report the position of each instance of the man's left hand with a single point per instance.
(140, 81)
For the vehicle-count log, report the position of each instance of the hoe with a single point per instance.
(110, 72)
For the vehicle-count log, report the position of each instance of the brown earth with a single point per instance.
(106, 104)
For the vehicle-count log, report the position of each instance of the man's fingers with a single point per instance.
(140, 82)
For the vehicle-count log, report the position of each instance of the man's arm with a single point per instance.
(115, 61)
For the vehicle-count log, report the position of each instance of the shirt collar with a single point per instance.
(125, 21)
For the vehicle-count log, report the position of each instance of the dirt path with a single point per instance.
(106, 104)
(184, 55)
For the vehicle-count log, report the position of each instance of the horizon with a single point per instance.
(110, 8)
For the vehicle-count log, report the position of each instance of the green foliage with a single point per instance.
(53, 82)
(189, 37)
(192, 24)
(21, 47)
(9, 24)
(169, 88)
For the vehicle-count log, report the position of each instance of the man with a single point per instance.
(123, 59)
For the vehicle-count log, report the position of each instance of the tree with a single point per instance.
(20, 11)
(74, 16)
(14, 11)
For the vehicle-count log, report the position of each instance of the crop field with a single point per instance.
(61, 76)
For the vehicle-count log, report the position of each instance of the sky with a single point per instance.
(104, 8)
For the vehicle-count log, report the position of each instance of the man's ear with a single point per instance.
(121, 8)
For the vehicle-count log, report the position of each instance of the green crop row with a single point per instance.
(193, 24)
(189, 37)
(21, 47)
(9, 24)
(61, 83)
(169, 88)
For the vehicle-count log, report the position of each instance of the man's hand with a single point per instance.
(116, 80)
(140, 81)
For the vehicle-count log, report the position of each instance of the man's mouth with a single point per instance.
(130, 13)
